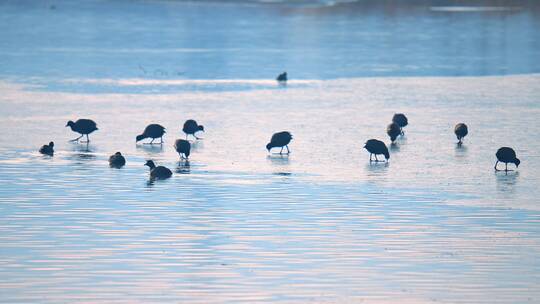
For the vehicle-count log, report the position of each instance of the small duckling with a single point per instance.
(117, 160)
(158, 172)
(47, 149)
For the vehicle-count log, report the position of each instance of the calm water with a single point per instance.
(235, 224)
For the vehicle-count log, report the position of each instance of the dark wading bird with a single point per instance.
(282, 78)
(183, 147)
(461, 131)
(191, 127)
(506, 155)
(117, 160)
(152, 131)
(281, 139)
(158, 172)
(393, 130)
(376, 147)
(401, 120)
(83, 127)
(47, 149)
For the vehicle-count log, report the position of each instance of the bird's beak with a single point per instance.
(67, 125)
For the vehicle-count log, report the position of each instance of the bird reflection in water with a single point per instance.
(183, 167)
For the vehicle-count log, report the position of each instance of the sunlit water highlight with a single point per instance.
(239, 225)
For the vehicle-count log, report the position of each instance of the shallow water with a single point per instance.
(237, 224)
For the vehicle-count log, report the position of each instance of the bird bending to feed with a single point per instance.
(158, 172)
(47, 149)
(461, 131)
(282, 77)
(83, 127)
(281, 139)
(393, 130)
(506, 155)
(191, 127)
(401, 120)
(117, 160)
(183, 147)
(152, 131)
(376, 147)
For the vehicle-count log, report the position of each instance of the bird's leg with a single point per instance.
(506, 167)
(87, 138)
(77, 139)
(152, 141)
(281, 151)
(161, 142)
(376, 159)
(370, 154)
(401, 131)
(197, 138)
(288, 151)
(496, 163)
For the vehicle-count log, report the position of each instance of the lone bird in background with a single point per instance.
(83, 127)
(506, 155)
(191, 127)
(281, 139)
(47, 149)
(117, 160)
(158, 172)
(183, 147)
(461, 131)
(376, 147)
(282, 77)
(401, 120)
(152, 131)
(393, 130)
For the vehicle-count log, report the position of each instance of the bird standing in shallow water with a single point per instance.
(280, 139)
(47, 149)
(401, 120)
(152, 131)
(393, 130)
(83, 127)
(376, 147)
(158, 172)
(282, 78)
(461, 131)
(506, 155)
(183, 147)
(117, 160)
(191, 127)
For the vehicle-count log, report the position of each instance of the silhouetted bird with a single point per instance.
(152, 131)
(158, 172)
(117, 160)
(461, 131)
(401, 120)
(376, 147)
(393, 130)
(83, 127)
(281, 139)
(183, 147)
(191, 127)
(506, 155)
(282, 77)
(47, 149)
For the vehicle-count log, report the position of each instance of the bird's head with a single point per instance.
(201, 128)
(269, 146)
(51, 144)
(139, 138)
(150, 164)
(70, 124)
(118, 153)
(517, 162)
